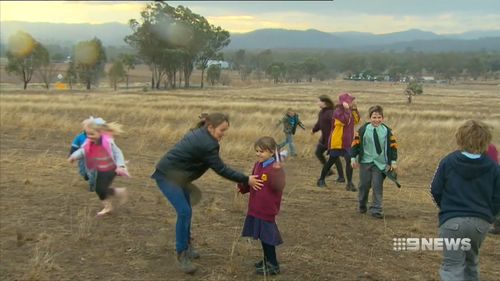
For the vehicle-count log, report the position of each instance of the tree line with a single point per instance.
(306, 65)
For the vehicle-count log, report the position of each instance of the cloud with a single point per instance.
(69, 12)
(379, 24)
(383, 16)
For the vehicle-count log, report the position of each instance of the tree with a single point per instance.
(476, 67)
(171, 61)
(90, 60)
(116, 73)
(213, 74)
(263, 60)
(167, 31)
(217, 38)
(46, 73)
(239, 59)
(25, 56)
(71, 74)
(199, 36)
(294, 72)
(277, 71)
(311, 67)
(129, 61)
(146, 37)
(415, 88)
(353, 63)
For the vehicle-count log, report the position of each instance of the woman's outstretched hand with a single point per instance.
(254, 182)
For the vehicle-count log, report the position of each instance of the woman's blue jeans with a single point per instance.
(179, 198)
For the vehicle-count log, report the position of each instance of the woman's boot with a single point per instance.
(185, 262)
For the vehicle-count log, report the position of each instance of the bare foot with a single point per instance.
(108, 208)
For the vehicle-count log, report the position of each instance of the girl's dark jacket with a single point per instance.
(324, 124)
(192, 156)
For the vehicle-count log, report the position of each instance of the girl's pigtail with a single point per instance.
(114, 128)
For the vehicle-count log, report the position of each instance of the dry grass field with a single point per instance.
(47, 225)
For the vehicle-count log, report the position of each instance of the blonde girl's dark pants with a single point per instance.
(103, 184)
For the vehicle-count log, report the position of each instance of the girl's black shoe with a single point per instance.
(268, 269)
(259, 264)
(321, 183)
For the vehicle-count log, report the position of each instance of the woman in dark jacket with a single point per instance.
(188, 160)
(324, 124)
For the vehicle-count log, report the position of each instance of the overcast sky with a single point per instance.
(375, 16)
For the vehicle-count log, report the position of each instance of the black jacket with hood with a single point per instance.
(192, 156)
(465, 187)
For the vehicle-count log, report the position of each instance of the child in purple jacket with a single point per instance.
(264, 204)
(345, 116)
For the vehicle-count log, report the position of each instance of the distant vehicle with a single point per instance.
(221, 63)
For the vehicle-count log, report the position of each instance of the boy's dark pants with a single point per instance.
(370, 175)
(459, 264)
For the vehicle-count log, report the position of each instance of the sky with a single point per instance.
(374, 16)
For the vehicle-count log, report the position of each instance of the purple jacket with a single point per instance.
(343, 129)
(324, 123)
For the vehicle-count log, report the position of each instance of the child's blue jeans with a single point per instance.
(89, 175)
(81, 168)
(179, 198)
(289, 141)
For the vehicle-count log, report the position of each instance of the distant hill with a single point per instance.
(416, 39)
(65, 33)
(112, 34)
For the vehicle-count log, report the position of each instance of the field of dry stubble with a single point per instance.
(47, 225)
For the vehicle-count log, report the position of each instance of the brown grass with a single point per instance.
(325, 238)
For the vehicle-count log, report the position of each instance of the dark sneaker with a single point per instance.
(340, 180)
(330, 173)
(362, 210)
(350, 187)
(259, 264)
(378, 215)
(321, 183)
(268, 269)
(192, 253)
(185, 263)
(85, 178)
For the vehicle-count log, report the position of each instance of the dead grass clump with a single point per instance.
(42, 261)
(85, 223)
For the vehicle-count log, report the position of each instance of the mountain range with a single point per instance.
(112, 34)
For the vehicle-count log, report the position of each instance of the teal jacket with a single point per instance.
(290, 123)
